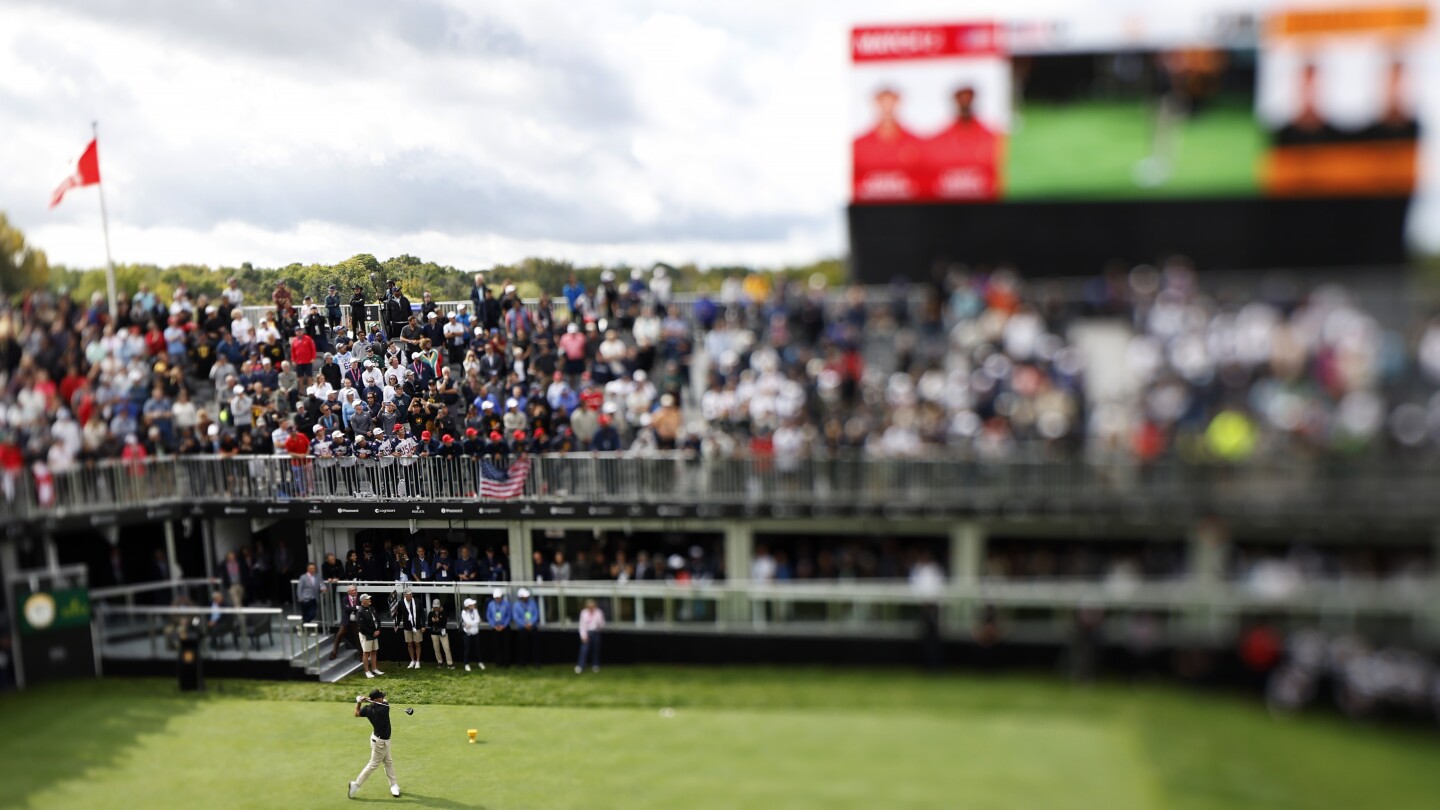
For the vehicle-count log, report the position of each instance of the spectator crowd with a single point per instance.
(985, 366)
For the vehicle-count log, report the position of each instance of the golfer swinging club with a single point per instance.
(377, 711)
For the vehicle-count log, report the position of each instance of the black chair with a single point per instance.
(256, 626)
(225, 626)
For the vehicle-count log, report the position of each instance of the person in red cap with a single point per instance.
(448, 447)
(428, 446)
(472, 446)
(405, 444)
(496, 449)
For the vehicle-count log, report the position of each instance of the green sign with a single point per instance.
(53, 610)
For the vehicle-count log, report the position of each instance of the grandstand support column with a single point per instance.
(170, 553)
(1431, 623)
(521, 539)
(967, 559)
(967, 551)
(10, 566)
(1207, 556)
(1208, 552)
(739, 554)
(207, 545)
(52, 552)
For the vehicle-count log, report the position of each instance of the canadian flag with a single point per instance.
(87, 173)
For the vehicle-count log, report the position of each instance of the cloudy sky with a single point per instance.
(468, 133)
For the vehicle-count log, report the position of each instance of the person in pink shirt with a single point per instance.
(592, 621)
(572, 346)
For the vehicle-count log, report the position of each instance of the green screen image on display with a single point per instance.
(1134, 126)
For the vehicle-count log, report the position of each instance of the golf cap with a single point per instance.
(469, 603)
(524, 593)
(425, 434)
(239, 389)
(487, 405)
(320, 429)
(447, 438)
(432, 315)
(337, 435)
(378, 431)
(364, 597)
(377, 694)
(498, 593)
(512, 403)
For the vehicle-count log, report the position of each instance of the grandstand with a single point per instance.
(825, 465)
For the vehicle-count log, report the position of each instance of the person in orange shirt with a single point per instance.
(963, 160)
(887, 158)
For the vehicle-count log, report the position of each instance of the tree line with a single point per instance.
(24, 266)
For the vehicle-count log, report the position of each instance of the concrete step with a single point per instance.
(332, 671)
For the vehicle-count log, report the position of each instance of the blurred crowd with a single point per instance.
(987, 367)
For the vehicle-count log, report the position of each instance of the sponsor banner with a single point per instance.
(463, 511)
(903, 42)
(43, 611)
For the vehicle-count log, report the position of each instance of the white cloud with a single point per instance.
(466, 133)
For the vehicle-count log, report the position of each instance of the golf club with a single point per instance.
(363, 699)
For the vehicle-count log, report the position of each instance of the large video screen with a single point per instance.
(1299, 103)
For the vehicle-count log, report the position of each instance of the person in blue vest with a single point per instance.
(498, 614)
(525, 622)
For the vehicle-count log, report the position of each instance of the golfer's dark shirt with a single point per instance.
(379, 716)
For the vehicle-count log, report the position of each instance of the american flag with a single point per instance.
(503, 484)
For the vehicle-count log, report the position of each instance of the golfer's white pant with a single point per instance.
(442, 644)
(379, 753)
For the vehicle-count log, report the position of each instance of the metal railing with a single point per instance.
(155, 631)
(682, 302)
(1033, 611)
(1401, 491)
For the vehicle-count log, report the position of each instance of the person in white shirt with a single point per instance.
(232, 294)
(372, 376)
(470, 621)
(267, 333)
(278, 437)
(660, 287)
(241, 328)
(184, 413)
(592, 621)
(762, 569)
(641, 397)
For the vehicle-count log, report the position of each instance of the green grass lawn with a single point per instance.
(737, 738)
(1090, 151)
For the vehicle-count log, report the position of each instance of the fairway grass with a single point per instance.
(797, 738)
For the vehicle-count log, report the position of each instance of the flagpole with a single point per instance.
(105, 225)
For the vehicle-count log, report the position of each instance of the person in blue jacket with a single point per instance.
(498, 614)
(525, 622)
